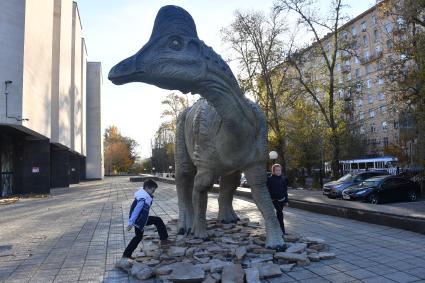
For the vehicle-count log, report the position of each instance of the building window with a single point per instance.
(380, 81)
(382, 96)
(369, 69)
(385, 142)
(361, 115)
(365, 41)
(371, 113)
(370, 98)
(378, 50)
(374, 19)
(338, 67)
(364, 26)
(383, 109)
(389, 27)
(340, 81)
(358, 73)
(372, 127)
(369, 83)
(396, 125)
(401, 23)
(366, 55)
(341, 93)
(354, 45)
(376, 35)
(359, 87)
(349, 77)
(362, 131)
(359, 102)
(353, 31)
(390, 44)
(384, 126)
(356, 60)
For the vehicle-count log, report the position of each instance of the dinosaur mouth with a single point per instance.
(123, 79)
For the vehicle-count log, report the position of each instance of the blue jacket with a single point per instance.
(139, 210)
(278, 187)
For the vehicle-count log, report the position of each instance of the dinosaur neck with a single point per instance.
(228, 101)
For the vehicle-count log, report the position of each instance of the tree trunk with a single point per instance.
(335, 154)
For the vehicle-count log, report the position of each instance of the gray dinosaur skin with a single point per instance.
(222, 134)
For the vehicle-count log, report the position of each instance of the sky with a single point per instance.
(115, 30)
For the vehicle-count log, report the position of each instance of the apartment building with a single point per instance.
(366, 46)
(47, 88)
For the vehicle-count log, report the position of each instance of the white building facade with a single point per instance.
(44, 92)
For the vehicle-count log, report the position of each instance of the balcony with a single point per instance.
(345, 54)
(375, 56)
(346, 69)
(401, 28)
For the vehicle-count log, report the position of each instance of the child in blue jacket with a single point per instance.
(139, 217)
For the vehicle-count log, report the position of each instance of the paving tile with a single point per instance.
(401, 277)
(82, 240)
(360, 273)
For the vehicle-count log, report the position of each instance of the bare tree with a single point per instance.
(256, 41)
(319, 81)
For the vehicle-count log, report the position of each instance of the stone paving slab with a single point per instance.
(78, 234)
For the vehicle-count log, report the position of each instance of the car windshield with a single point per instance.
(370, 183)
(345, 178)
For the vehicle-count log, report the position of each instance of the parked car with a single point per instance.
(334, 189)
(383, 189)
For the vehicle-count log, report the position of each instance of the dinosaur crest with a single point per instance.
(173, 20)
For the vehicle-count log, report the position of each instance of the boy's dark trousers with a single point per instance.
(278, 206)
(152, 220)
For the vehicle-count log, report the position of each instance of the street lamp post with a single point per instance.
(153, 170)
(273, 155)
(170, 168)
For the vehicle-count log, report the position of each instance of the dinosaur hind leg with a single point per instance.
(228, 186)
(204, 180)
(185, 174)
(257, 179)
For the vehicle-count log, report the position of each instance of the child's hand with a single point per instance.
(129, 227)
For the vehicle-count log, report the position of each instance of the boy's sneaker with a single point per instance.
(165, 243)
(124, 263)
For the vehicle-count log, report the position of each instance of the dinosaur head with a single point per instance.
(171, 59)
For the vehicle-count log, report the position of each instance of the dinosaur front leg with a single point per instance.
(185, 174)
(228, 186)
(203, 183)
(184, 185)
(257, 178)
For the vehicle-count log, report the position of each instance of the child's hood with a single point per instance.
(142, 194)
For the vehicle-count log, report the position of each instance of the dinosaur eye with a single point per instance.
(175, 43)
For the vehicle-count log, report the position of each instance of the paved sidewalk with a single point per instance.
(79, 233)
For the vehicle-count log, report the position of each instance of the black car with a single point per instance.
(383, 189)
(334, 189)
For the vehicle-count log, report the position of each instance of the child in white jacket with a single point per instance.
(139, 217)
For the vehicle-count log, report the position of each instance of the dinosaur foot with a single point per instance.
(183, 231)
(199, 231)
(230, 221)
(279, 248)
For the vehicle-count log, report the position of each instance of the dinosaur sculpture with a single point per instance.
(222, 134)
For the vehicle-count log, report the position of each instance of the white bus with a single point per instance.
(388, 163)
